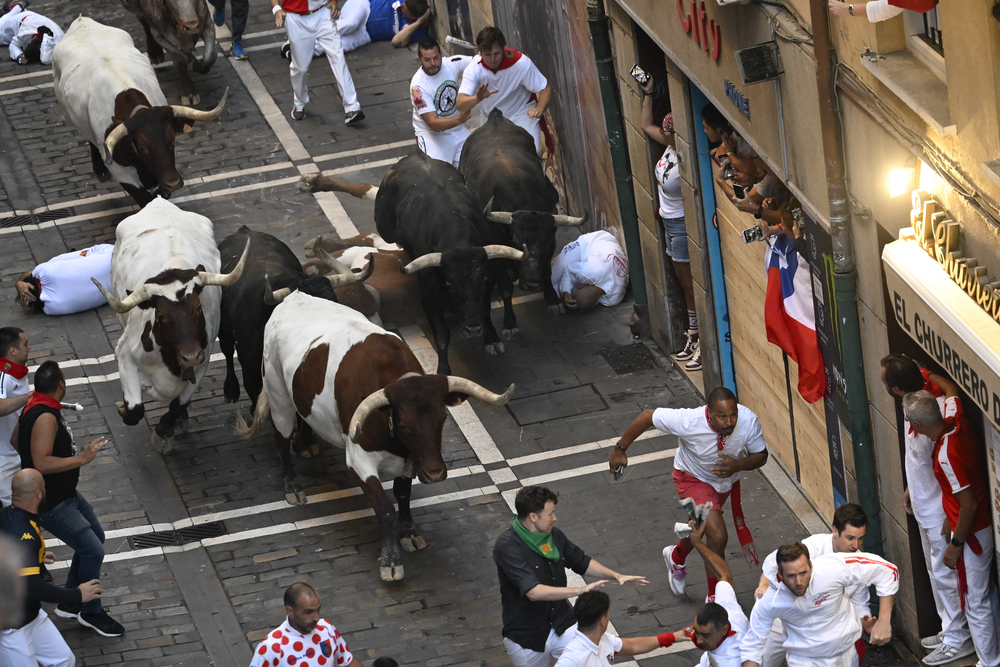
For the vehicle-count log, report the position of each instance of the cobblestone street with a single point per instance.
(210, 600)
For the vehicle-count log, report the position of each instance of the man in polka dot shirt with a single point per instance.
(304, 639)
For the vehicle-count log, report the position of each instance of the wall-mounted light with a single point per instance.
(901, 181)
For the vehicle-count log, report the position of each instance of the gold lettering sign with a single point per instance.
(941, 237)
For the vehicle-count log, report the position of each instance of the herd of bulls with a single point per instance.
(315, 358)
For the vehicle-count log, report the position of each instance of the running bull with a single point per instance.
(361, 388)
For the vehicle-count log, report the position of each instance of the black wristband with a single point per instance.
(618, 446)
(956, 543)
(760, 211)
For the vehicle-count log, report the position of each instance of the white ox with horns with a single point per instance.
(109, 91)
(167, 293)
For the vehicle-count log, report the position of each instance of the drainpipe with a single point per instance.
(619, 160)
(845, 280)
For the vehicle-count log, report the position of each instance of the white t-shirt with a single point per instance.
(10, 387)
(438, 93)
(323, 647)
(593, 259)
(668, 183)
(727, 653)
(65, 279)
(19, 26)
(515, 84)
(581, 652)
(925, 492)
(698, 450)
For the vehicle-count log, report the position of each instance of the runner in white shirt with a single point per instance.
(437, 122)
(593, 646)
(849, 527)
(20, 28)
(922, 499)
(707, 467)
(14, 393)
(505, 79)
(62, 285)
(590, 270)
(815, 603)
(304, 639)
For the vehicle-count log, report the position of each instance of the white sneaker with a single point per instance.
(689, 345)
(678, 573)
(694, 363)
(945, 653)
(933, 642)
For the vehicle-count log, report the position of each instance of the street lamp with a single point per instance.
(900, 181)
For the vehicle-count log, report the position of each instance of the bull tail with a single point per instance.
(261, 417)
(321, 183)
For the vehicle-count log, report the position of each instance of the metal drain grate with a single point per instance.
(36, 218)
(176, 538)
(629, 358)
(881, 655)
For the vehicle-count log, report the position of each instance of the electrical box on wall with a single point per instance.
(758, 63)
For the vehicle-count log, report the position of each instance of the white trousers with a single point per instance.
(444, 146)
(10, 464)
(848, 658)
(351, 24)
(982, 605)
(37, 643)
(305, 33)
(554, 647)
(944, 586)
(774, 646)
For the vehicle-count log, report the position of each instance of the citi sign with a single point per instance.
(707, 34)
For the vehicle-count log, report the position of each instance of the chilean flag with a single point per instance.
(789, 317)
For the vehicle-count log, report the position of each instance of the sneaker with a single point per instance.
(352, 117)
(69, 609)
(236, 51)
(933, 642)
(688, 350)
(219, 16)
(945, 653)
(286, 51)
(678, 573)
(101, 623)
(297, 113)
(694, 363)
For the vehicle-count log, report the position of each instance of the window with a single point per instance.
(924, 39)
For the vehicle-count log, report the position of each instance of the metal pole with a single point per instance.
(619, 157)
(845, 280)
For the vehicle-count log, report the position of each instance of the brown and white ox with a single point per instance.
(327, 364)
(175, 26)
(110, 94)
(167, 293)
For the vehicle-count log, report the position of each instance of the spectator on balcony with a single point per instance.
(880, 10)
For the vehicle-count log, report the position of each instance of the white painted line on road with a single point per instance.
(576, 449)
(358, 167)
(76, 363)
(263, 33)
(26, 89)
(274, 116)
(517, 300)
(335, 213)
(18, 77)
(365, 151)
(540, 480)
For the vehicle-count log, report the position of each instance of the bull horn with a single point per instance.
(349, 278)
(332, 262)
(502, 252)
(427, 261)
(274, 297)
(569, 220)
(200, 116)
(465, 386)
(130, 302)
(226, 279)
(112, 140)
(502, 218)
(371, 403)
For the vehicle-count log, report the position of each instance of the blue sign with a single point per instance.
(738, 99)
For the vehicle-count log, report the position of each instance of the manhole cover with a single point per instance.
(880, 655)
(556, 405)
(629, 358)
(171, 538)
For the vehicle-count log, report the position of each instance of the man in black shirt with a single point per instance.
(532, 557)
(33, 639)
(46, 444)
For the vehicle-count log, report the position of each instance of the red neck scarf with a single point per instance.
(42, 399)
(12, 369)
(510, 56)
(690, 635)
(742, 532)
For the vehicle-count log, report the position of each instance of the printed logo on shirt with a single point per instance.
(820, 599)
(418, 98)
(446, 98)
(326, 648)
(667, 165)
(610, 658)
(621, 266)
(26, 536)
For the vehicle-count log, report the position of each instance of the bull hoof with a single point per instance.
(190, 100)
(305, 453)
(314, 449)
(156, 56)
(494, 349)
(556, 309)
(163, 445)
(105, 177)
(397, 572)
(385, 573)
(311, 243)
(412, 543)
(308, 184)
(511, 334)
(296, 498)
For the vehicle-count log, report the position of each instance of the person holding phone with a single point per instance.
(671, 213)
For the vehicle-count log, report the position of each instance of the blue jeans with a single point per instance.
(73, 521)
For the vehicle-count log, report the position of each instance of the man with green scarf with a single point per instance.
(532, 557)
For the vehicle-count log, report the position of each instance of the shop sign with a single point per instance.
(705, 29)
(738, 99)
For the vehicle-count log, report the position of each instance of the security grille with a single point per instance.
(758, 63)
(932, 30)
(176, 538)
(881, 655)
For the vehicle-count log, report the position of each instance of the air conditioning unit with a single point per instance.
(758, 63)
